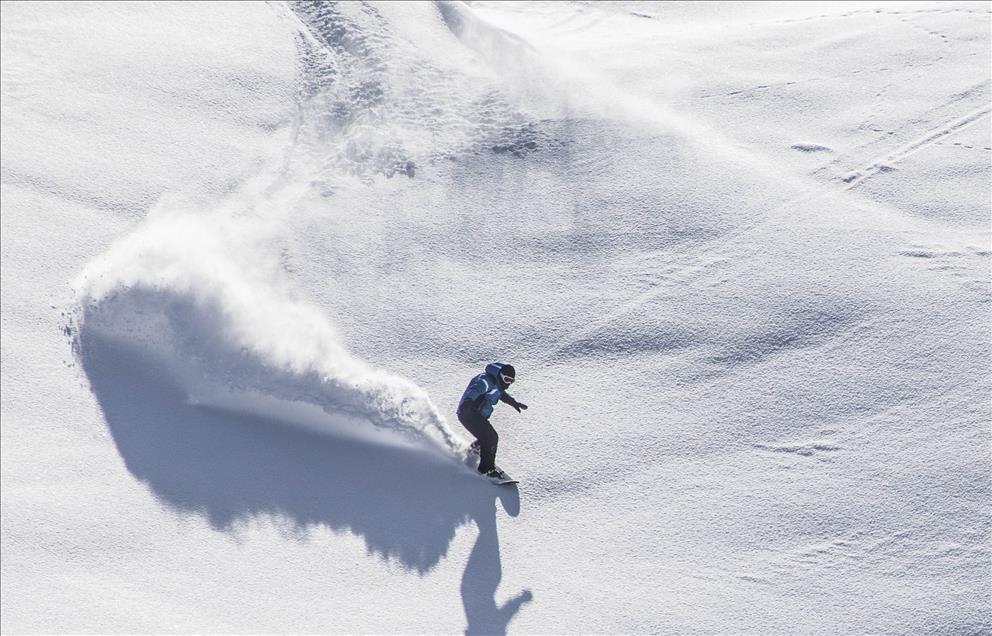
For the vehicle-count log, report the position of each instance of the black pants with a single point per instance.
(488, 438)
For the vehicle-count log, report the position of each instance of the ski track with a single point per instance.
(887, 162)
(910, 128)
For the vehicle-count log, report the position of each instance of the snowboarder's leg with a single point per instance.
(487, 448)
(488, 439)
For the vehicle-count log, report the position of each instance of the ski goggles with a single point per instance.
(507, 379)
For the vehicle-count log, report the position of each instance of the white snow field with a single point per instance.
(739, 255)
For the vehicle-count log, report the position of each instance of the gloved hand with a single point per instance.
(520, 406)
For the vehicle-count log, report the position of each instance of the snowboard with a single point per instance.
(502, 482)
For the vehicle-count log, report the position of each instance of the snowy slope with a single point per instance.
(738, 254)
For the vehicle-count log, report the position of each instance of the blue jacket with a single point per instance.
(485, 384)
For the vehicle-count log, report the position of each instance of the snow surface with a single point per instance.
(738, 253)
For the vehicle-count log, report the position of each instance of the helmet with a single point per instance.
(507, 374)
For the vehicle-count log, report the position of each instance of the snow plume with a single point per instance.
(201, 296)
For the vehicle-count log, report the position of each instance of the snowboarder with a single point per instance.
(476, 406)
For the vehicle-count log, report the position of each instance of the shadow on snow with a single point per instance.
(406, 505)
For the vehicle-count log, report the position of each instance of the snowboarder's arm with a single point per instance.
(507, 398)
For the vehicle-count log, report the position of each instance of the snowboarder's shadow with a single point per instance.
(483, 573)
(231, 467)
